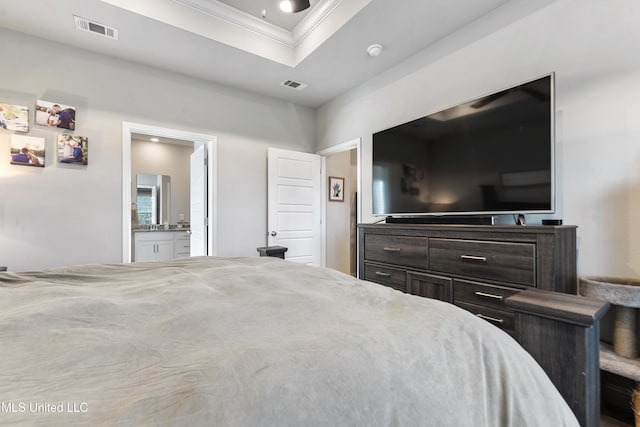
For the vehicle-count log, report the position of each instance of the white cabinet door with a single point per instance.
(145, 250)
(154, 246)
(164, 250)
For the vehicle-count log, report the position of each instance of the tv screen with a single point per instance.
(492, 155)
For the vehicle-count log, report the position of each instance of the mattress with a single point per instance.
(211, 341)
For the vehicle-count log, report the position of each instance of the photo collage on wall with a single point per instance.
(31, 151)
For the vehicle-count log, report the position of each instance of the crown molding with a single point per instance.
(321, 10)
(242, 19)
(249, 33)
(315, 17)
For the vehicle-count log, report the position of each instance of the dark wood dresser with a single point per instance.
(474, 267)
(519, 278)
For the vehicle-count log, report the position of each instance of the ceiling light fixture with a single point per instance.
(155, 139)
(293, 6)
(374, 50)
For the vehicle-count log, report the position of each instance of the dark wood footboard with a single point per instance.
(562, 333)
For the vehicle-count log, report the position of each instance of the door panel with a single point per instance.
(198, 202)
(294, 204)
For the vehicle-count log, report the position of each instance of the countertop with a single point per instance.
(160, 228)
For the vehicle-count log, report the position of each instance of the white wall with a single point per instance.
(57, 216)
(593, 48)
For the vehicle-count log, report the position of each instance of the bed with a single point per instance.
(211, 341)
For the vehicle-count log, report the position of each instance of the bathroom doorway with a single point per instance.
(137, 143)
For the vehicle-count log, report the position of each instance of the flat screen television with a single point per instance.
(491, 155)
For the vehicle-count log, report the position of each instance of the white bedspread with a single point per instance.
(253, 342)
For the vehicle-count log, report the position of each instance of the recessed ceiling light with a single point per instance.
(154, 139)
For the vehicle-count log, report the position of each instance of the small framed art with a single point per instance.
(14, 117)
(27, 150)
(336, 189)
(56, 115)
(72, 149)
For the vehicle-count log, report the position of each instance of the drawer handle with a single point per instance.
(490, 319)
(388, 249)
(473, 258)
(380, 273)
(486, 295)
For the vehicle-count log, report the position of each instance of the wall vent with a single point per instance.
(294, 85)
(83, 24)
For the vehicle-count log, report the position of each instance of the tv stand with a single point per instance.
(445, 219)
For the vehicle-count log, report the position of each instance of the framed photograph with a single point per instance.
(336, 189)
(27, 150)
(55, 114)
(73, 150)
(14, 117)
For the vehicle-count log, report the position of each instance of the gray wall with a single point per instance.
(592, 46)
(58, 216)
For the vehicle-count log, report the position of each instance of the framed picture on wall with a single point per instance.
(14, 117)
(55, 114)
(73, 150)
(27, 150)
(336, 189)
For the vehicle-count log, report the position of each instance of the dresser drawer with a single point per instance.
(401, 250)
(392, 277)
(504, 261)
(502, 319)
(482, 294)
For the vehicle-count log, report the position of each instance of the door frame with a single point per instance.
(211, 141)
(345, 146)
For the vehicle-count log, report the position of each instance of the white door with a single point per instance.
(198, 208)
(293, 194)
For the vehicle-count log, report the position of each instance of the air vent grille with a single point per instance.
(294, 85)
(83, 24)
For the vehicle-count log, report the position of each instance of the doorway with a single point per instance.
(341, 215)
(207, 231)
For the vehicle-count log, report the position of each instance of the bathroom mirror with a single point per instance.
(153, 198)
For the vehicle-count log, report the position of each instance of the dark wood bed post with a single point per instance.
(562, 333)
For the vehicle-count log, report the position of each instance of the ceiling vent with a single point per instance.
(93, 27)
(294, 85)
